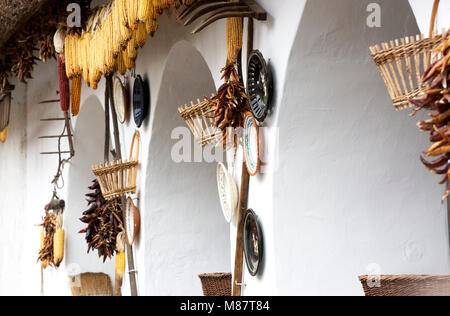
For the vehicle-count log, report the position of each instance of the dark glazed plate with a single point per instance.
(259, 85)
(141, 101)
(253, 243)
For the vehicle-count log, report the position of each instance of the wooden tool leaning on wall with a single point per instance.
(243, 202)
(109, 103)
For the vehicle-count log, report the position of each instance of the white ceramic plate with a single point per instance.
(120, 100)
(251, 144)
(228, 192)
(132, 221)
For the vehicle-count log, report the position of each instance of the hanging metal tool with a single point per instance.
(66, 133)
(220, 9)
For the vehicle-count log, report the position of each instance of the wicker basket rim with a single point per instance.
(408, 277)
(215, 275)
(401, 47)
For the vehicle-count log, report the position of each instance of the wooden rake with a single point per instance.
(220, 9)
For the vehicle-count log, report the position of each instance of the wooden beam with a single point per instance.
(14, 14)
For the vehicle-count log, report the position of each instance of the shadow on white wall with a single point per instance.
(89, 138)
(185, 233)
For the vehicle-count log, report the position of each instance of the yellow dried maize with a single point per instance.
(132, 13)
(120, 264)
(4, 134)
(120, 64)
(76, 95)
(151, 27)
(141, 35)
(58, 242)
(68, 55)
(234, 38)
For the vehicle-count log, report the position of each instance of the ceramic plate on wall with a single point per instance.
(253, 243)
(120, 100)
(259, 85)
(251, 144)
(141, 101)
(228, 192)
(132, 221)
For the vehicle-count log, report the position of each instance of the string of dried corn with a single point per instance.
(113, 34)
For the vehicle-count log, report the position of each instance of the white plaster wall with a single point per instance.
(89, 138)
(186, 234)
(350, 190)
(422, 10)
(395, 166)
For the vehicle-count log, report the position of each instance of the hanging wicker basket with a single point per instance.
(199, 118)
(216, 284)
(408, 285)
(118, 178)
(402, 62)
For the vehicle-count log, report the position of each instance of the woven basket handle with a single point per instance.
(433, 16)
(432, 23)
(137, 142)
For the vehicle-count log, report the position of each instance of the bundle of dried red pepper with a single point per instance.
(437, 100)
(230, 102)
(105, 222)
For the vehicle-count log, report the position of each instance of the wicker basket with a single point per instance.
(402, 62)
(408, 285)
(5, 106)
(118, 178)
(199, 118)
(216, 284)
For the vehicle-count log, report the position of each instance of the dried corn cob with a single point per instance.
(132, 13)
(120, 64)
(4, 134)
(128, 62)
(234, 38)
(120, 256)
(141, 35)
(58, 241)
(46, 250)
(144, 10)
(67, 55)
(76, 95)
(64, 93)
(44, 263)
(151, 27)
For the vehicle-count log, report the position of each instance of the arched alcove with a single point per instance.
(350, 190)
(185, 232)
(89, 138)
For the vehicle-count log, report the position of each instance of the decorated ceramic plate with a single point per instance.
(120, 100)
(259, 85)
(251, 144)
(141, 101)
(228, 192)
(132, 221)
(253, 242)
